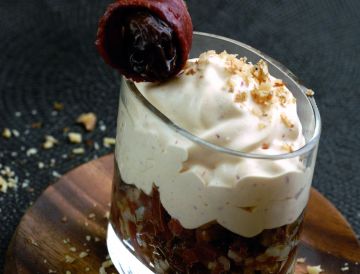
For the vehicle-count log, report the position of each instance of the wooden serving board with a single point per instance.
(71, 214)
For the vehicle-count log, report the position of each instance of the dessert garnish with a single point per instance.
(145, 40)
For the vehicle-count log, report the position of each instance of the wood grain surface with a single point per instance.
(69, 221)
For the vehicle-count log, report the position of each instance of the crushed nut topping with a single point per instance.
(261, 72)
(88, 120)
(265, 146)
(288, 148)
(240, 97)
(286, 120)
(263, 94)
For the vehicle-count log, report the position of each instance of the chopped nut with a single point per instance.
(265, 146)
(83, 254)
(31, 151)
(309, 92)
(79, 150)
(261, 126)
(240, 97)
(278, 83)
(92, 216)
(64, 219)
(15, 133)
(288, 148)
(314, 269)
(58, 106)
(50, 141)
(41, 165)
(88, 120)
(262, 95)
(286, 120)
(105, 265)
(36, 125)
(300, 260)
(107, 141)
(6, 133)
(75, 138)
(344, 268)
(261, 71)
(3, 185)
(69, 259)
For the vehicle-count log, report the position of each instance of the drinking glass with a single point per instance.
(145, 237)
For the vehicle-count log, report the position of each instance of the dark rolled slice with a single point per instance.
(146, 40)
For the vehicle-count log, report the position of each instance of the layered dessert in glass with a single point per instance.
(215, 148)
(210, 176)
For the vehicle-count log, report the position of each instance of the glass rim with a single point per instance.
(217, 148)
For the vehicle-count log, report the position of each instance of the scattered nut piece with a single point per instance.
(15, 133)
(3, 185)
(88, 238)
(105, 265)
(309, 92)
(300, 260)
(88, 120)
(31, 151)
(6, 133)
(36, 125)
(92, 216)
(64, 219)
(50, 142)
(41, 165)
(107, 141)
(69, 259)
(344, 268)
(83, 254)
(75, 138)
(314, 269)
(58, 106)
(79, 150)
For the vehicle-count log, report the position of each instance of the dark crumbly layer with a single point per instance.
(161, 241)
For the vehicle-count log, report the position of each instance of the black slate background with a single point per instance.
(47, 55)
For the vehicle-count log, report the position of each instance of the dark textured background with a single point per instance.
(47, 54)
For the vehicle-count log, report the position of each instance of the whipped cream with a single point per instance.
(231, 103)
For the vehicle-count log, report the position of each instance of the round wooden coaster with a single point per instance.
(65, 229)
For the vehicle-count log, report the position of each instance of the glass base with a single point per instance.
(126, 263)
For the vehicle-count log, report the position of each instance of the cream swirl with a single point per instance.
(231, 103)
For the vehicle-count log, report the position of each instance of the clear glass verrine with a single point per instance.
(143, 237)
